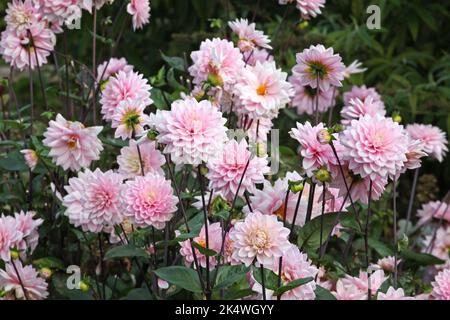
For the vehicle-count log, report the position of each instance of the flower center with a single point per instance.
(202, 242)
(260, 240)
(131, 119)
(280, 212)
(262, 90)
(317, 69)
(72, 142)
(310, 92)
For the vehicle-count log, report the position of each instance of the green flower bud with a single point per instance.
(152, 134)
(45, 273)
(396, 117)
(322, 175)
(324, 136)
(215, 80)
(84, 286)
(403, 243)
(296, 186)
(15, 254)
(338, 128)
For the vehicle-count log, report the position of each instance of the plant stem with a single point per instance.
(309, 209)
(322, 221)
(102, 267)
(297, 206)
(262, 282)
(280, 263)
(25, 293)
(94, 63)
(395, 231)
(366, 237)
(411, 198)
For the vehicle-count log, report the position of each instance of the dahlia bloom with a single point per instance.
(227, 169)
(441, 285)
(94, 200)
(58, 12)
(31, 158)
(261, 55)
(28, 227)
(308, 8)
(440, 245)
(35, 287)
(140, 10)
(123, 86)
(354, 67)
(249, 37)
(21, 50)
(362, 93)
(358, 108)
(319, 67)
(434, 139)
(111, 68)
(72, 145)
(192, 131)
(305, 97)
(217, 58)
(149, 201)
(387, 263)
(362, 282)
(9, 236)
(215, 243)
(375, 146)
(393, 294)
(260, 237)
(348, 291)
(129, 119)
(263, 90)
(433, 209)
(129, 162)
(21, 15)
(414, 154)
(89, 4)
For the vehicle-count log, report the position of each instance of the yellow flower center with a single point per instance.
(202, 242)
(262, 90)
(260, 239)
(72, 142)
(280, 212)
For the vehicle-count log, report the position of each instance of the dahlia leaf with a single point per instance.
(203, 250)
(180, 276)
(270, 278)
(422, 259)
(128, 250)
(323, 294)
(292, 285)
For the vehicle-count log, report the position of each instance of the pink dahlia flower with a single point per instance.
(140, 10)
(21, 15)
(434, 139)
(249, 37)
(263, 90)
(72, 145)
(29, 229)
(89, 4)
(31, 158)
(149, 201)
(58, 12)
(260, 237)
(123, 86)
(192, 131)
(130, 164)
(310, 8)
(393, 294)
(226, 170)
(375, 146)
(348, 291)
(441, 285)
(415, 153)
(358, 108)
(256, 130)
(362, 93)
(10, 235)
(362, 282)
(387, 263)
(433, 210)
(319, 67)
(111, 68)
(216, 58)
(214, 242)
(27, 47)
(261, 55)
(26, 276)
(94, 200)
(440, 245)
(354, 67)
(305, 97)
(129, 119)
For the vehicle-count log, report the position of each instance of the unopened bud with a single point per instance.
(203, 170)
(198, 95)
(295, 186)
(338, 128)
(303, 25)
(324, 136)
(45, 273)
(215, 80)
(322, 175)
(396, 117)
(261, 149)
(403, 243)
(84, 286)
(14, 254)
(152, 134)
(103, 84)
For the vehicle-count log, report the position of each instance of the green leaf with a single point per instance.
(292, 285)
(13, 162)
(203, 250)
(175, 62)
(422, 259)
(270, 278)
(138, 294)
(382, 249)
(127, 250)
(238, 294)
(323, 294)
(186, 236)
(180, 276)
(49, 262)
(223, 214)
(229, 275)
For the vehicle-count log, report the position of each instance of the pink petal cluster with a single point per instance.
(11, 282)
(214, 242)
(375, 146)
(308, 8)
(362, 93)
(72, 145)
(94, 200)
(439, 245)
(414, 154)
(358, 108)
(353, 68)
(362, 281)
(192, 131)
(393, 294)
(387, 263)
(434, 139)
(129, 119)
(226, 171)
(218, 58)
(111, 68)
(130, 164)
(261, 55)
(433, 210)
(261, 237)
(21, 14)
(249, 37)
(28, 227)
(31, 158)
(263, 90)
(348, 291)
(58, 12)
(149, 201)
(319, 67)
(441, 285)
(10, 235)
(140, 11)
(123, 86)
(89, 4)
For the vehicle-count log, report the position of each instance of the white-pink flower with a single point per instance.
(72, 145)
(27, 277)
(358, 108)
(89, 4)
(362, 281)
(28, 227)
(123, 86)
(393, 294)
(9, 236)
(308, 8)
(375, 146)
(31, 158)
(193, 132)
(21, 14)
(348, 291)
(129, 119)
(354, 67)
(441, 285)
(140, 10)
(433, 210)
(263, 90)
(94, 200)
(226, 171)
(111, 68)
(387, 263)
(362, 93)
(434, 139)
(261, 55)
(414, 154)
(249, 37)
(149, 201)
(319, 67)
(260, 237)
(57, 12)
(439, 245)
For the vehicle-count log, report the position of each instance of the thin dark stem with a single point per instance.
(321, 222)
(44, 96)
(247, 200)
(69, 109)
(25, 293)
(366, 237)
(309, 209)
(330, 112)
(102, 266)
(411, 198)
(297, 206)
(280, 262)
(94, 63)
(395, 231)
(316, 108)
(262, 282)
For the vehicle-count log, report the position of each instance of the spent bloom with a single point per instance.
(249, 37)
(263, 90)
(111, 68)
(362, 281)
(94, 200)
(260, 237)
(140, 11)
(130, 163)
(192, 131)
(440, 244)
(441, 285)
(233, 164)
(149, 201)
(434, 139)
(27, 278)
(31, 158)
(387, 263)
(129, 119)
(358, 108)
(319, 67)
(72, 145)
(9, 236)
(348, 291)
